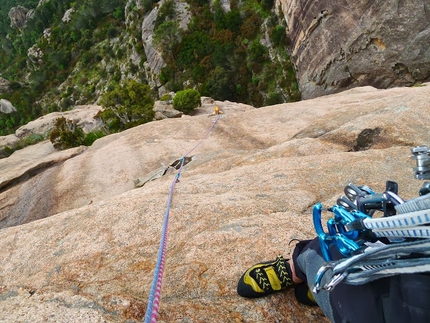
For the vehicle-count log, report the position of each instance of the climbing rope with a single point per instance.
(155, 292)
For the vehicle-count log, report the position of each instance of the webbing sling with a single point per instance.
(376, 263)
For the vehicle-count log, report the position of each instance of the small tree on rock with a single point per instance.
(187, 100)
(66, 134)
(127, 106)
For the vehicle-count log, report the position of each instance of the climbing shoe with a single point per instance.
(265, 278)
(304, 295)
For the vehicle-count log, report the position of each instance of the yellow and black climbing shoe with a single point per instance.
(265, 278)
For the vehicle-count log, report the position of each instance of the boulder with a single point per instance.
(67, 17)
(164, 109)
(4, 85)
(6, 142)
(35, 54)
(80, 242)
(209, 104)
(18, 16)
(82, 115)
(6, 106)
(337, 45)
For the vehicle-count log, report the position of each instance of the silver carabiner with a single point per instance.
(320, 274)
(334, 281)
(337, 278)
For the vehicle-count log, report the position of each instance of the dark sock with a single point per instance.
(304, 295)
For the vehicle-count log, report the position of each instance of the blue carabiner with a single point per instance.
(337, 233)
(343, 217)
(322, 236)
(346, 246)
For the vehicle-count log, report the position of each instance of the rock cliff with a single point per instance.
(155, 61)
(341, 44)
(89, 245)
(4, 85)
(19, 15)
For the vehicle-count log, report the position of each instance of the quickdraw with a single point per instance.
(352, 225)
(337, 235)
(355, 235)
(354, 232)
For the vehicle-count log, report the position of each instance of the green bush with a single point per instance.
(274, 98)
(278, 36)
(166, 97)
(167, 74)
(93, 136)
(267, 4)
(219, 84)
(32, 139)
(187, 100)
(127, 105)
(147, 5)
(7, 151)
(66, 134)
(118, 13)
(165, 13)
(24, 142)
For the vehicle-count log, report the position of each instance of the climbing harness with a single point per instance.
(358, 236)
(155, 292)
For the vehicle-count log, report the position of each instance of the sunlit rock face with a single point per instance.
(79, 242)
(337, 45)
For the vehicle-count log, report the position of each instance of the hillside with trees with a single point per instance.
(73, 52)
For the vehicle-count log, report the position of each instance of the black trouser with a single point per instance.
(345, 303)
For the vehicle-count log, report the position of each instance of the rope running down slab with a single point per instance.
(155, 293)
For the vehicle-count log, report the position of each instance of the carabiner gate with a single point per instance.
(320, 274)
(334, 281)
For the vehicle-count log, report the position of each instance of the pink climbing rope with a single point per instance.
(155, 293)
